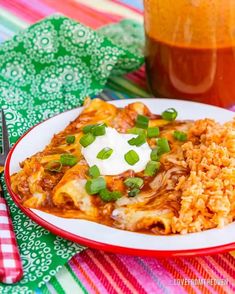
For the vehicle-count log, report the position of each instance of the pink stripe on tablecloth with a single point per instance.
(84, 14)
(38, 6)
(147, 270)
(222, 260)
(230, 258)
(128, 6)
(208, 273)
(219, 271)
(86, 275)
(163, 274)
(22, 11)
(127, 286)
(139, 77)
(142, 273)
(137, 80)
(128, 273)
(100, 272)
(115, 277)
(184, 274)
(190, 265)
(190, 273)
(97, 273)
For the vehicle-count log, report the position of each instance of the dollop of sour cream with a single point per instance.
(116, 163)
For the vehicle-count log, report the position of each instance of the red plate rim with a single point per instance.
(99, 245)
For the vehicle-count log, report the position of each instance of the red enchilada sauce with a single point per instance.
(190, 49)
(201, 74)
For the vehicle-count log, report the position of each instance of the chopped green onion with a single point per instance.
(94, 171)
(107, 195)
(94, 186)
(136, 131)
(151, 168)
(98, 130)
(169, 114)
(68, 159)
(54, 166)
(70, 139)
(133, 192)
(87, 139)
(87, 128)
(153, 132)
(163, 146)
(142, 121)
(154, 154)
(181, 136)
(137, 141)
(131, 157)
(105, 153)
(134, 182)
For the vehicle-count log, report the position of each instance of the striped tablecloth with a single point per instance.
(93, 271)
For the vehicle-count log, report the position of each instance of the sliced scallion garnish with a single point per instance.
(94, 186)
(70, 139)
(53, 166)
(180, 136)
(134, 182)
(151, 168)
(163, 146)
(87, 139)
(133, 192)
(131, 157)
(137, 141)
(142, 121)
(107, 195)
(87, 128)
(154, 154)
(153, 132)
(98, 130)
(105, 153)
(136, 131)
(94, 171)
(68, 159)
(169, 114)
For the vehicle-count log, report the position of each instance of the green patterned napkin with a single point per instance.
(47, 69)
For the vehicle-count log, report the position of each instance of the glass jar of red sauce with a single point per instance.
(190, 49)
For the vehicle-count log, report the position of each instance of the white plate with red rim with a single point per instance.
(110, 239)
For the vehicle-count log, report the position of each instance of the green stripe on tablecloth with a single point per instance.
(122, 84)
(65, 282)
(54, 285)
(45, 290)
(104, 96)
(76, 279)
